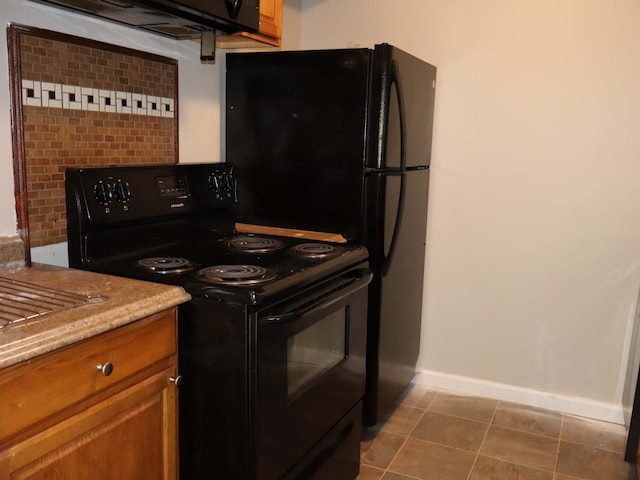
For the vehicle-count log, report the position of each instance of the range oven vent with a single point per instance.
(178, 19)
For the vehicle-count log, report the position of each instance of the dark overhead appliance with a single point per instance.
(177, 19)
(340, 141)
(271, 346)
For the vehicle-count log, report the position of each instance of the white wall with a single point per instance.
(534, 218)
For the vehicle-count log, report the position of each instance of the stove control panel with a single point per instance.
(106, 192)
(173, 186)
(122, 194)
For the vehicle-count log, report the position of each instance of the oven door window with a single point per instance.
(316, 350)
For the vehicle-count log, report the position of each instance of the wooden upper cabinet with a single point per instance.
(65, 418)
(270, 32)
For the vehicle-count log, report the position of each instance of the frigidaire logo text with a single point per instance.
(177, 205)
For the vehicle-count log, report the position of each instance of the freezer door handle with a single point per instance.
(395, 79)
(388, 259)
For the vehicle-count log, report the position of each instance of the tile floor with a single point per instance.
(438, 435)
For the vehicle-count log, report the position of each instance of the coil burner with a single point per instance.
(315, 250)
(251, 244)
(237, 274)
(166, 265)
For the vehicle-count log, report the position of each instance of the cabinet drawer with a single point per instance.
(35, 390)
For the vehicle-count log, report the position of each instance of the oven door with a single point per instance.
(311, 370)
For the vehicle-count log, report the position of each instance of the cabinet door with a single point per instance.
(269, 33)
(36, 390)
(129, 436)
(271, 19)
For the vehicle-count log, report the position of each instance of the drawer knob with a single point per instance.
(105, 368)
(177, 380)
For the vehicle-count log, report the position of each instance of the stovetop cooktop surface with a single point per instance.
(244, 268)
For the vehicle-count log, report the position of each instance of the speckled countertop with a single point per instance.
(125, 301)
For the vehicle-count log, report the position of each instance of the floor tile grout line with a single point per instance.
(423, 410)
(475, 460)
(526, 431)
(555, 467)
(459, 417)
(477, 454)
(407, 437)
(583, 444)
(406, 440)
(386, 469)
(531, 467)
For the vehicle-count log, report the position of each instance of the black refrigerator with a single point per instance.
(339, 141)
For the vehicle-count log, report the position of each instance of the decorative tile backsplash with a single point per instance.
(87, 103)
(74, 97)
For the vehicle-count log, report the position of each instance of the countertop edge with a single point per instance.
(66, 334)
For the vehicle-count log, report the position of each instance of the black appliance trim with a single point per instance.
(178, 19)
(344, 288)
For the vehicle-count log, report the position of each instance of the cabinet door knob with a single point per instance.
(105, 368)
(177, 380)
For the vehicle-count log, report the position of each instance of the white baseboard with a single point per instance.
(583, 407)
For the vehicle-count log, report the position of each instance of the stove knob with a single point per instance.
(228, 186)
(103, 193)
(122, 191)
(214, 183)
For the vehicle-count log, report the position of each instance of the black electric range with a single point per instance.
(272, 344)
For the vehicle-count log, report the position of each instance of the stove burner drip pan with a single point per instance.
(251, 244)
(315, 250)
(166, 265)
(237, 274)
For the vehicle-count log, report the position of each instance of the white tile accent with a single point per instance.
(47, 88)
(57, 101)
(90, 99)
(167, 107)
(138, 104)
(57, 95)
(124, 102)
(69, 92)
(153, 106)
(107, 101)
(51, 95)
(35, 100)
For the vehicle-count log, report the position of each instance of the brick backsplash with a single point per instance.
(88, 106)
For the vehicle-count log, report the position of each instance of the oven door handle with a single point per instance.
(332, 295)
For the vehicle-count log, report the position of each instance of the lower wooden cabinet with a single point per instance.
(125, 428)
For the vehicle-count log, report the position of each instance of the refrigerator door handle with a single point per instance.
(388, 258)
(393, 171)
(395, 79)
